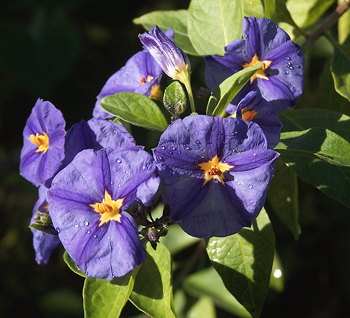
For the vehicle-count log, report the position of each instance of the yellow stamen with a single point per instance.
(156, 93)
(214, 169)
(42, 141)
(260, 73)
(248, 115)
(108, 208)
(147, 79)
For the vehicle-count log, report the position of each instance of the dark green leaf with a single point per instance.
(153, 292)
(340, 68)
(316, 143)
(207, 282)
(70, 263)
(106, 299)
(175, 20)
(244, 261)
(283, 197)
(212, 24)
(230, 87)
(277, 11)
(135, 109)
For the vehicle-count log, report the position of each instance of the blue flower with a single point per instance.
(170, 58)
(254, 108)
(279, 81)
(88, 201)
(43, 143)
(215, 173)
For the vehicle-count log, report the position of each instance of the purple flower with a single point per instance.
(141, 75)
(254, 108)
(170, 58)
(281, 78)
(215, 173)
(43, 143)
(88, 201)
(43, 243)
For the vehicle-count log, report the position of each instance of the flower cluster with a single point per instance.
(212, 173)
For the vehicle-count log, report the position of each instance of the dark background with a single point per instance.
(63, 51)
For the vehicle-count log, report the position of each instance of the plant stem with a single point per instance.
(327, 24)
(188, 87)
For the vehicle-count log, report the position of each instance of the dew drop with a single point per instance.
(297, 65)
(76, 225)
(163, 147)
(144, 167)
(58, 229)
(115, 131)
(159, 158)
(198, 142)
(88, 232)
(239, 182)
(285, 72)
(108, 237)
(250, 186)
(86, 223)
(126, 171)
(287, 57)
(290, 66)
(188, 148)
(95, 236)
(170, 152)
(254, 154)
(173, 148)
(119, 160)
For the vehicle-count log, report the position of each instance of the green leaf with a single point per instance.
(244, 261)
(340, 69)
(344, 26)
(316, 143)
(212, 24)
(70, 263)
(104, 298)
(283, 197)
(253, 8)
(204, 307)
(277, 11)
(175, 99)
(153, 292)
(230, 87)
(305, 13)
(208, 283)
(277, 273)
(135, 109)
(173, 19)
(177, 240)
(300, 119)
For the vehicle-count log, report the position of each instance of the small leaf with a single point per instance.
(283, 197)
(104, 298)
(153, 292)
(135, 109)
(340, 69)
(175, 99)
(175, 20)
(70, 263)
(208, 283)
(316, 143)
(244, 261)
(212, 24)
(230, 87)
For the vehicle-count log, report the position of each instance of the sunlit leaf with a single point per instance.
(244, 261)
(70, 263)
(204, 307)
(212, 24)
(340, 68)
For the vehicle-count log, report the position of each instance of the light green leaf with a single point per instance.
(153, 292)
(173, 19)
(277, 11)
(277, 274)
(104, 298)
(208, 283)
(305, 13)
(70, 263)
(300, 119)
(316, 143)
(344, 26)
(244, 261)
(175, 99)
(230, 87)
(177, 240)
(253, 8)
(340, 68)
(212, 24)
(204, 307)
(283, 197)
(135, 109)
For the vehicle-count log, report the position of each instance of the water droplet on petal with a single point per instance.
(86, 223)
(170, 152)
(76, 225)
(95, 236)
(250, 186)
(188, 148)
(198, 142)
(290, 66)
(297, 66)
(108, 237)
(285, 72)
(88, 232)
(173, 148)
(239, 182)
(58, 229)
(119, 160)
(144, 167)
(162, 147)
(287, 58)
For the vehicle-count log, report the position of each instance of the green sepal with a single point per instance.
(71, 265)
(175, 99)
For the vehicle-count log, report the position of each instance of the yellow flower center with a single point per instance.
(108, 208)
(259, 73)
(248, 115)
(42, 141)
(147, 79)
(156, 93)
(214, 169)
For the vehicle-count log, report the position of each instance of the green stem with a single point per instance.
(188, 87)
